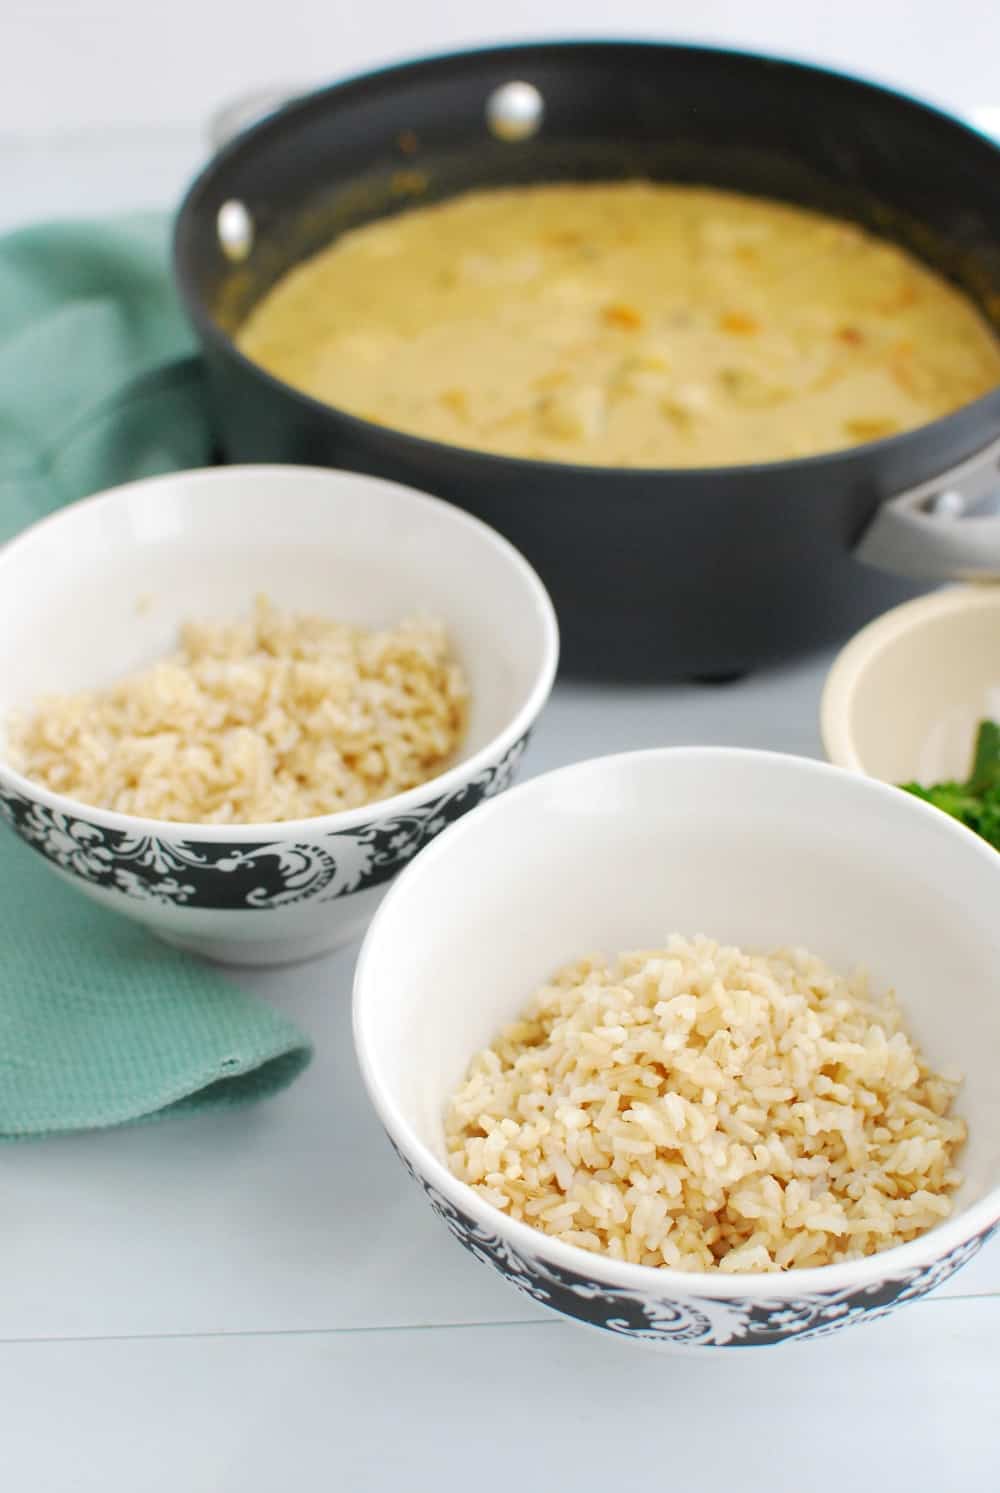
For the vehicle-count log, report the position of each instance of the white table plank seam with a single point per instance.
(376, 1327)
(290, 1332)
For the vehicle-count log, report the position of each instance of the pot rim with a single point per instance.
(519, 466)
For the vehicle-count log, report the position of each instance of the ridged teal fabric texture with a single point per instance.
(100, 1024)
(99, 382)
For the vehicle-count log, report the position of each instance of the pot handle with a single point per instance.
(232, 118)
(947, 529)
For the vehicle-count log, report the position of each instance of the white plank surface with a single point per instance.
(909, 1403)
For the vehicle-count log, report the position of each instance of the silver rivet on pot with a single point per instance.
(948, 504)
(514, 111)
(234, 227)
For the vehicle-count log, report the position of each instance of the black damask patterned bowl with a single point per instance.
(749, 847)
(99, 588)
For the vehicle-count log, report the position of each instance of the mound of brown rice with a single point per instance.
(279, 717)
(703, 1108)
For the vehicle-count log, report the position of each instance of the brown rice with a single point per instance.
(703, 1108)
(280, 717)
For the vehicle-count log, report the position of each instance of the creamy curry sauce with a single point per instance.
(627, 324)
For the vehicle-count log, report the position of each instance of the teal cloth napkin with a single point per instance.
(99, 382)
(101, 1024)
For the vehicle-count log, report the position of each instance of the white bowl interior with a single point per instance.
(101, 590)
(750, 848)
(913, 700)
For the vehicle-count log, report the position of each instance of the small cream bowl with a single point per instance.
(904, 697)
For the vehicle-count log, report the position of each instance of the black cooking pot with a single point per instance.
(655, 573)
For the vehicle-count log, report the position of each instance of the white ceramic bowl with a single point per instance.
(98, 590)
(748, 847)
(905, 695)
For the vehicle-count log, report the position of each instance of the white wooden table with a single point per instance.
(261, 1300)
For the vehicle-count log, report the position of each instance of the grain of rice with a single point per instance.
(284, 716)
(703, 1108)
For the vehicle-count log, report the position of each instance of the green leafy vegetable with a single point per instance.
(975, 803)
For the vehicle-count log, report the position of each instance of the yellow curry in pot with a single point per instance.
(627, 324)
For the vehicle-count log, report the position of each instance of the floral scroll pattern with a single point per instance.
(698, 1321)
(268, 874)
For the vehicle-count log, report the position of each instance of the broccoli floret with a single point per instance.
(975, 803)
